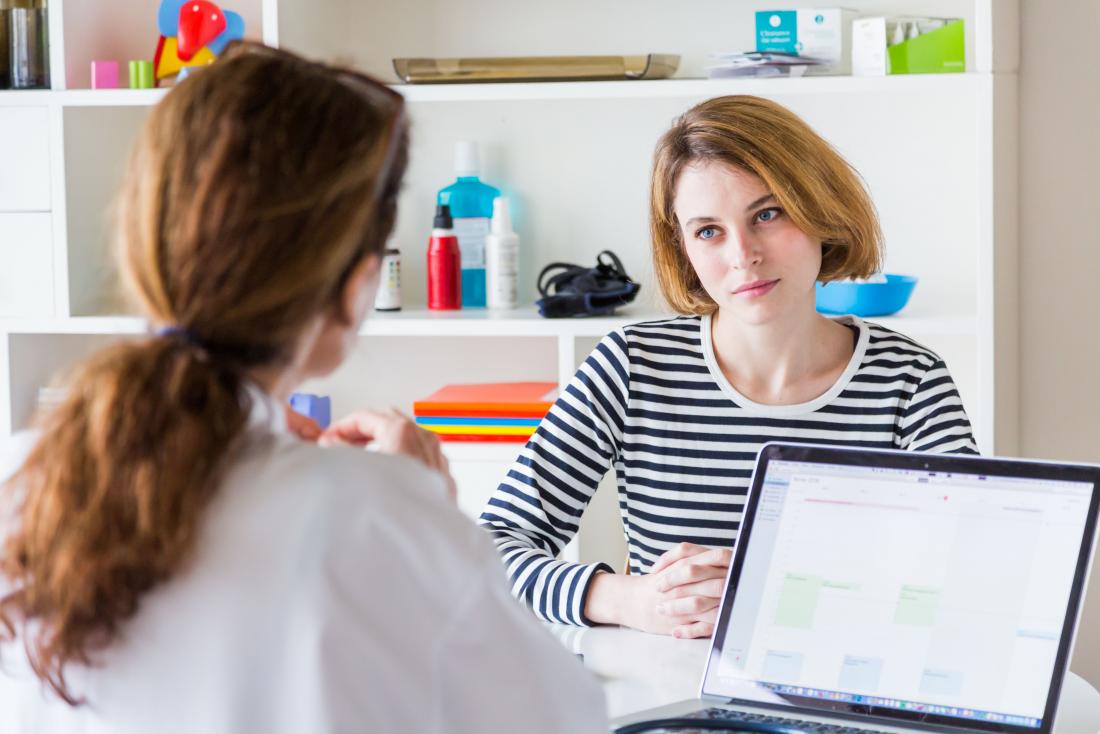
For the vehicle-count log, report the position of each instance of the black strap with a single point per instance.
(616, 266)
(569, 271)
(571, 290)
(656, 725)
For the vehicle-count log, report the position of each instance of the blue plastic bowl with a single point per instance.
(866, 299)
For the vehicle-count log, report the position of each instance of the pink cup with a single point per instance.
(104, 75)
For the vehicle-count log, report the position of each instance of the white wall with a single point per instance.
(372, 32)
(1060, 251)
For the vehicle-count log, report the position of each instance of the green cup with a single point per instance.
(141, 75)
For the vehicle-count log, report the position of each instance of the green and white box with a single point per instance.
(908, 46)
(820, 33)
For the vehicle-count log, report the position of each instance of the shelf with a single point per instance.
(412, 322)
(527, 322)
(83, 97)
(500, 452)
(700, 88)
(482, 322)
(26, 97)
(471, 323)
(110, 97)
(657, 88)
(109, 325)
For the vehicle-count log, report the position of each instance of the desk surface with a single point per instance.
(640, 671)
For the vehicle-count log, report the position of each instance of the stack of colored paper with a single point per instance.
(760, 63)
(500, 411)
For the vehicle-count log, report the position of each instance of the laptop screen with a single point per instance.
(903, 591)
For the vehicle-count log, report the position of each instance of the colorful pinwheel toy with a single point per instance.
(192, 33)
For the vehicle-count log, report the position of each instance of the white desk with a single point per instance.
(640, 671)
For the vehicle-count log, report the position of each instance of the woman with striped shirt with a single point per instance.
(749, 208)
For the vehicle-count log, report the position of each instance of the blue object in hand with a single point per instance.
(866, 299)
(317, 407)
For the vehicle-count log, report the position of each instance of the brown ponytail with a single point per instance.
(255, 188)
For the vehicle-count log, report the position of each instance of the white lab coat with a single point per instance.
(331, 590)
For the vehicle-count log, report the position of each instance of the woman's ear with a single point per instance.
(357, 295)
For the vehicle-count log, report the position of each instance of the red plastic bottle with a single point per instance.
(444, 264)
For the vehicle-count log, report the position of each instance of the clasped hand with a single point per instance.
(679, 596)
(685, 586)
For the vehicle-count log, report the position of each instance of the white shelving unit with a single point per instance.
(937, 151)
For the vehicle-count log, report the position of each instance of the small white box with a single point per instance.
(869, 41)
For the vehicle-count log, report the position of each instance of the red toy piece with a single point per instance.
(201, 22)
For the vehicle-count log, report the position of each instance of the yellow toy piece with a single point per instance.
(170, 63)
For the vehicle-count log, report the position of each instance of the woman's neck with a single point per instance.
(784, 362)
(278, 382)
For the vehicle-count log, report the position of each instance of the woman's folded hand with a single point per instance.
(680, 596)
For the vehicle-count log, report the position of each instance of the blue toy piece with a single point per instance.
(317, 407)
(168, 17)
(866, 299)
(234, 30)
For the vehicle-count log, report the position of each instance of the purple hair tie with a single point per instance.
(167, 332)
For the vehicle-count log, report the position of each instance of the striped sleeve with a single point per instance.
(935, 420)
(536, 510)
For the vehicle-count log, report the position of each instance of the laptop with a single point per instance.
(895, 591)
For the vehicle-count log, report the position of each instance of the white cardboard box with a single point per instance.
(823, 33)
(869, 42)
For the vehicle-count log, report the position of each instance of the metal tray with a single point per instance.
(536, 68)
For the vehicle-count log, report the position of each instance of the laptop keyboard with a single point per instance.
(816, 727)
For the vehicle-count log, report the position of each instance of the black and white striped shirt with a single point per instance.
(651, 402)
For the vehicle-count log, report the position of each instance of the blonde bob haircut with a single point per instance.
(821, 193)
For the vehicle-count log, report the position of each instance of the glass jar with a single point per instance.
(5, 44)
(29, 44)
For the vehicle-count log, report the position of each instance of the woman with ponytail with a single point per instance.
(172, 558)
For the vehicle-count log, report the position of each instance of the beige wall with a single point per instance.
(1060, 251)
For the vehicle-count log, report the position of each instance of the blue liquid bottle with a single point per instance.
(471, 203)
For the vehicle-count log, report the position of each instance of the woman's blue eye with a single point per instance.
(768, 215)
(706, 233)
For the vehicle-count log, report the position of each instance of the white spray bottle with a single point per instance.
(501, 259)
